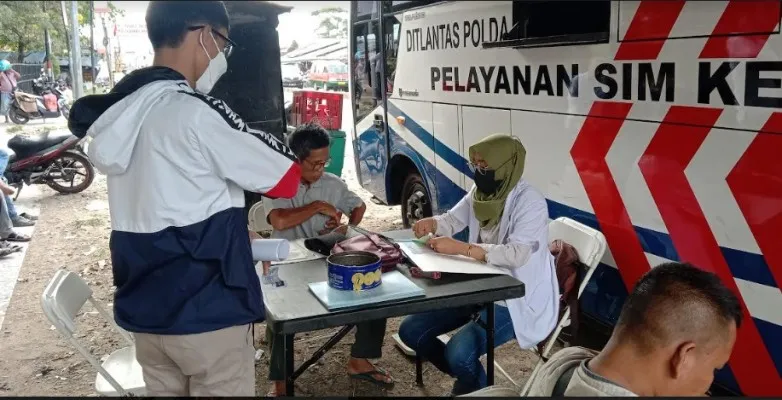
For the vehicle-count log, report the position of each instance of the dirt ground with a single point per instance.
(73, 233)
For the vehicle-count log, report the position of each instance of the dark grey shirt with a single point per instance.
(329, 188)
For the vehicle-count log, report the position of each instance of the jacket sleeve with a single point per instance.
(455, 219)
(253, 159)
(528, 220)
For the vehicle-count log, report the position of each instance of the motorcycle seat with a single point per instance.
(25, 146)
(22, 96)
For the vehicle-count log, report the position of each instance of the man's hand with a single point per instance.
(266, 266)
(424, 227)
(6, 189)
(334, 221)
(255, 235)
(327, 209)
(447, 245)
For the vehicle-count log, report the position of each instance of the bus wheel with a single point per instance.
(415, 202)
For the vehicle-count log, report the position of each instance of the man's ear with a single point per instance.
(682, 360)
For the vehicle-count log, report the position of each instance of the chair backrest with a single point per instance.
(588, 242)
(257, 216)
(63, 297)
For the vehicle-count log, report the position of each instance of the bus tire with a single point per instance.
(416, 204)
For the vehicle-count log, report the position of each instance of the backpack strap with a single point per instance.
(564, 381)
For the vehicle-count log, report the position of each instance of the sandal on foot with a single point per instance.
(29, 216)
(371, 377)
(17, 237)
(7, 249)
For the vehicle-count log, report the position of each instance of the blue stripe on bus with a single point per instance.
(743, 265)
(446, 153)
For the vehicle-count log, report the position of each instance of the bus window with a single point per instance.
(541, 23)
(365, 10)
(364, 72)
(391, 43)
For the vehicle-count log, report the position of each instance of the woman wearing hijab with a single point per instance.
(508, 228)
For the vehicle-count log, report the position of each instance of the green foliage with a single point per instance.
(333, 23)
(23, 24)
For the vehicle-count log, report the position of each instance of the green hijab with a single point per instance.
(505, 154)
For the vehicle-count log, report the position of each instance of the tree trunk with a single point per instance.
(20, 52)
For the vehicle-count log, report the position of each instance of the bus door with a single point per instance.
(371, 141)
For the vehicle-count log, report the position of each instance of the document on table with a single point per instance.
(429, 261)
(298, 253)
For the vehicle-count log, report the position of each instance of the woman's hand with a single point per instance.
(424, 227)
(447, 245)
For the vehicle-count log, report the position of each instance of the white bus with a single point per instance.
(658, 123)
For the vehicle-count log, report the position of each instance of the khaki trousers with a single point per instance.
(218, 363)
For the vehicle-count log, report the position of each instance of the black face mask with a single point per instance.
(485, 181)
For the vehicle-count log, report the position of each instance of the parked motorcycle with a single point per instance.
(55, 158)
(49, 104)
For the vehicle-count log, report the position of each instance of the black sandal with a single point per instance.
(17, 237)
(370, 376)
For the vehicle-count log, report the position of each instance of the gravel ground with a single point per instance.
(73, 234)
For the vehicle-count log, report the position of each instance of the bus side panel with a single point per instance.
(479, 122)
(411, 121)
(448, 160)
(371, 155)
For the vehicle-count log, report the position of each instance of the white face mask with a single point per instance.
(216, 68)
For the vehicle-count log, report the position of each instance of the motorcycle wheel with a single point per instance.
(16, 117)
(64, 183)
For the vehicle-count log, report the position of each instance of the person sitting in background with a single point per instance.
(8, 234)
(18, 220)
(316, 209)
(508, 222)
(676, 328)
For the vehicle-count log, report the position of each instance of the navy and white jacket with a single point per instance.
(177, 162)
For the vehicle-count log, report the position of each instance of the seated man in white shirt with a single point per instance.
(316, 209)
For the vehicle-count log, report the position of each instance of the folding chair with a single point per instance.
(257, 216)
(63, 298)
(590, 245)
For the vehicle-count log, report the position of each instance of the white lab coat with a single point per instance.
(524, 221)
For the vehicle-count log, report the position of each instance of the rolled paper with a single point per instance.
(270, 249)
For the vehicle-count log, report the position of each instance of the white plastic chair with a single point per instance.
(63, 298)
(590, 245)
(257, 216)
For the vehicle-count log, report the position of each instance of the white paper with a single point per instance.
(429, 261)
(269, 249)
(298, 253)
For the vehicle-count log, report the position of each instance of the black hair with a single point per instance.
(168, 21)
(676, 298)
(306, 138)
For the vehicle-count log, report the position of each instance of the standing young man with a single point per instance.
(177, 162)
